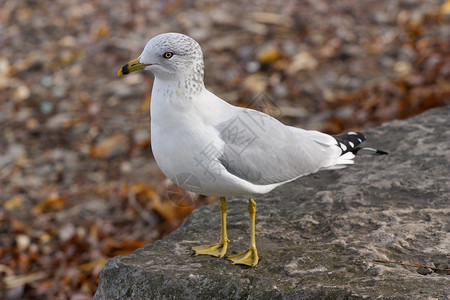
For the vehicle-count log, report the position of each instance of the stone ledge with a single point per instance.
(316, 236)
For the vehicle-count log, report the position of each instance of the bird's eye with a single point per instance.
(168, 55)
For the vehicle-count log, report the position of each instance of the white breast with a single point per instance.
(186, 149)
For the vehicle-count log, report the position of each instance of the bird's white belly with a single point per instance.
(171, 150)
(189, 159)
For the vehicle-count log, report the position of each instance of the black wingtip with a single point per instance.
(381, 152)
(372, 150)
(349, 142)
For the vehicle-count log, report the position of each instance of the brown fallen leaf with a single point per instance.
(132, 244)
(122, 247)
(140, 189)
(102, 31)
(268, 55)
(14, 202)
(110, 147)
(18, 226)
(53, 202)
(169, 211)
(87, 267)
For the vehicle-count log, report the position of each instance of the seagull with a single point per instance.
(208, 146)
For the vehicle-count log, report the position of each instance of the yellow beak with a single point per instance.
(132, 66)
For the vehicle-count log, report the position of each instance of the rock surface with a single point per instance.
(317, 236)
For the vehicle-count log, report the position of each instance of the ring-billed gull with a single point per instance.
(211, 147)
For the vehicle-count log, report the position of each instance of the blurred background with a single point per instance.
(78, 183)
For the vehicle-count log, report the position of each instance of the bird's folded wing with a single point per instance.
(261, 150)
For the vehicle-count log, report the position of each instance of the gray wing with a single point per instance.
(262, 150)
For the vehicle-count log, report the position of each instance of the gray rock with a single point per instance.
(317, 236)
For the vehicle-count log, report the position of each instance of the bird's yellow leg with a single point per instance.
(220, 248)
(249, 257)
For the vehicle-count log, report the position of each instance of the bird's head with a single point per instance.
(169, 56)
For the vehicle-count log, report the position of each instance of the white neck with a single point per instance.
(178, 92)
